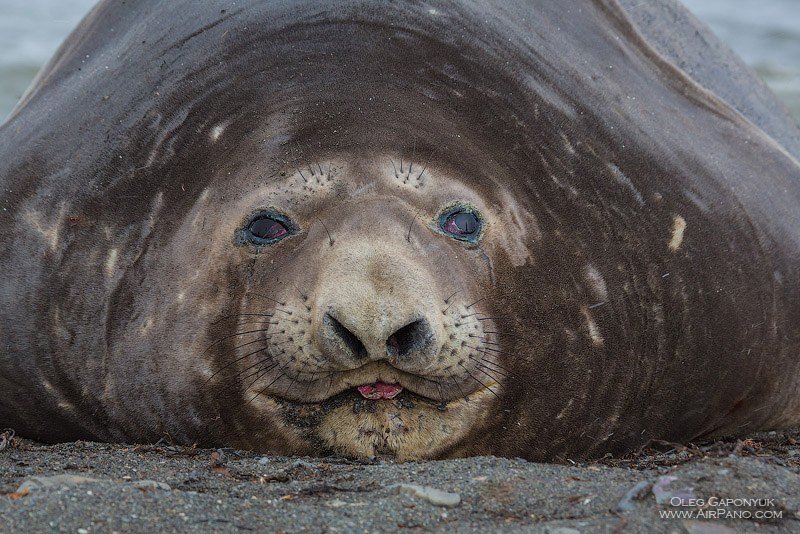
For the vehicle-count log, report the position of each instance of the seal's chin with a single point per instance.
(384, 419)
(374, 411)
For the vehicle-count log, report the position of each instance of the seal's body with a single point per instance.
(414, 230)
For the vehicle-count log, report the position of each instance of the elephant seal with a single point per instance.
(414, 230)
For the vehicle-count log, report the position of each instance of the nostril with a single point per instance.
(410, 338)
(345, 336)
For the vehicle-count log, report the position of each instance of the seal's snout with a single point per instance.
(377, 303)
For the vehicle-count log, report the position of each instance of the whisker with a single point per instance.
(259, 373)
(483, 364)
(485, 342)
(477, 301)
(491, 373)
(326, 229)
(308, 386)
(286, 392)
(439, 388)
(492, 350)
(305, 297)
(237, 315)
(486, 361)
(478, 381)
(449, 303)
(516, 356)
(496, 318)
(453, 378)
(408, 237)
(274, 358)
(262, 322)
(426, 163)
(260, 362)
(413, 155)
(330, 385)
(302, 155)
(260, 365)
(294, 378)
(233, 335)
(273, 300)
(268, 385)
(503, 334)
(315, 373)
(260, 340)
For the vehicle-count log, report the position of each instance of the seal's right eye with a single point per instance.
(267, 229)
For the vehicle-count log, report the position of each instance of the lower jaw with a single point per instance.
(406, 427)
(405, 399)
(307, 416)
(352, 426)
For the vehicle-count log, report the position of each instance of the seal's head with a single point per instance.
(369, 327)
(360, 316)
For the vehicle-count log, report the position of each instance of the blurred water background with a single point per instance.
(766, 33)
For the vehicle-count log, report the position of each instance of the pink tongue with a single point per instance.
(379, 390)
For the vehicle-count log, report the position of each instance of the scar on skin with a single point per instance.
(111, 262)
(594, 331)
(597, 283)
(50, 233)
(678, 228)
(148, 324)
(216, 132)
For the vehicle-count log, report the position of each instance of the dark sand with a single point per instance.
(92, 487)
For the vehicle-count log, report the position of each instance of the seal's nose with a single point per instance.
(339, 335)
(377, 301)
(415, 338)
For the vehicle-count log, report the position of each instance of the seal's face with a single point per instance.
(358, 319)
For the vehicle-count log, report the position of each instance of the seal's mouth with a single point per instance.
(370, 383)
(379, 390)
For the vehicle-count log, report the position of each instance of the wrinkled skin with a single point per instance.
(634, 274)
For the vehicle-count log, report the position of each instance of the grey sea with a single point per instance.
(766, 33)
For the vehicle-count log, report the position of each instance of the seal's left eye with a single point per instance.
(462, 224)
(266, 229)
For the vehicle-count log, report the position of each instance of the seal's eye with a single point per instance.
(463, 224)
(266, 228)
